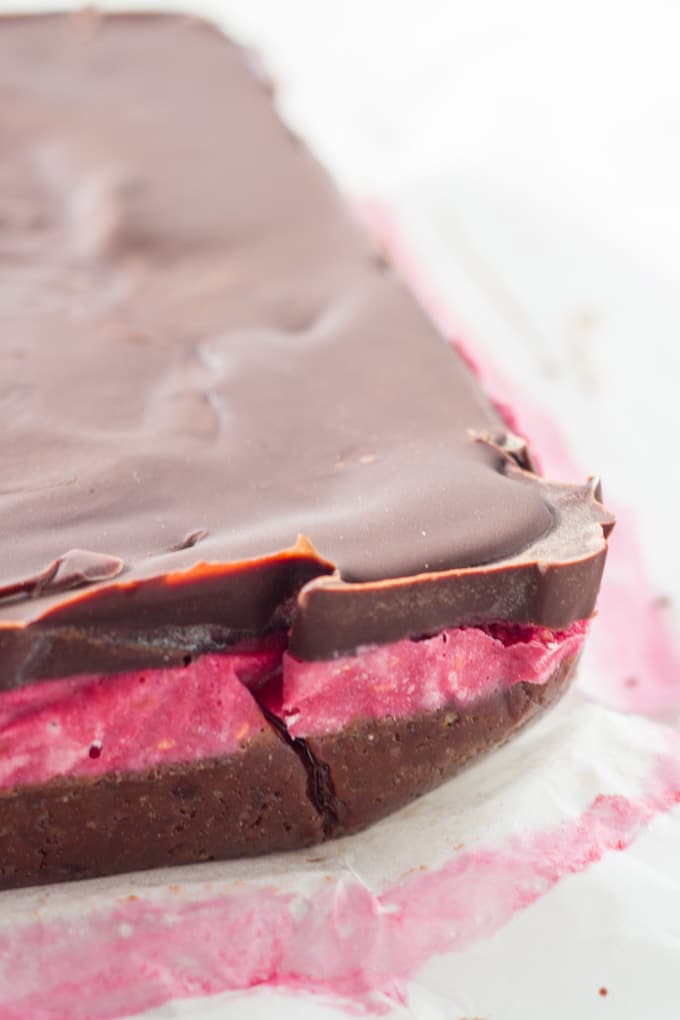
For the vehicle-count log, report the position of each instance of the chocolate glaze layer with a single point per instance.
(202, 359)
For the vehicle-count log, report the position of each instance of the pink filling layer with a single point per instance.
(90, 725)
(455, 667)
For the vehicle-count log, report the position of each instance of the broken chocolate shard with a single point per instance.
(190, 540)
(74, 569)
(508, 444)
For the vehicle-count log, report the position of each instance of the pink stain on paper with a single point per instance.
(343, 941)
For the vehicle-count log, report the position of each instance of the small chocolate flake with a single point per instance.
(189, 540)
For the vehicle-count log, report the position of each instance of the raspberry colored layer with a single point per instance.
(455, 667)
(88, 726)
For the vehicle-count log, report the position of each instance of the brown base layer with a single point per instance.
(381, 765)
(273, 796)
(253, 802)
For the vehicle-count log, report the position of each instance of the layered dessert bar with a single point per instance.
(271, 564)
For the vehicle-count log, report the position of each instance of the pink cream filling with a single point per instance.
(91, 725)
(456, 667)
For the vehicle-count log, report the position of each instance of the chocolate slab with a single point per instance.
(272, 796)
(202, 359)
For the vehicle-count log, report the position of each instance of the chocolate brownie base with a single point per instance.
(378, 766)
(255, 801)
(277, 794)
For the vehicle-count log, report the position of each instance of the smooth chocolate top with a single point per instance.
(203, 359)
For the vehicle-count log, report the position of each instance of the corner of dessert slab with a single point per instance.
(181, 681)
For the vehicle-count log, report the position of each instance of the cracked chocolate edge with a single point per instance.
(319, 780)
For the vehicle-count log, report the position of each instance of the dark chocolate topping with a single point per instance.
(202, 360)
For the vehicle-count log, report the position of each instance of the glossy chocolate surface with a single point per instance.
(203, 359)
